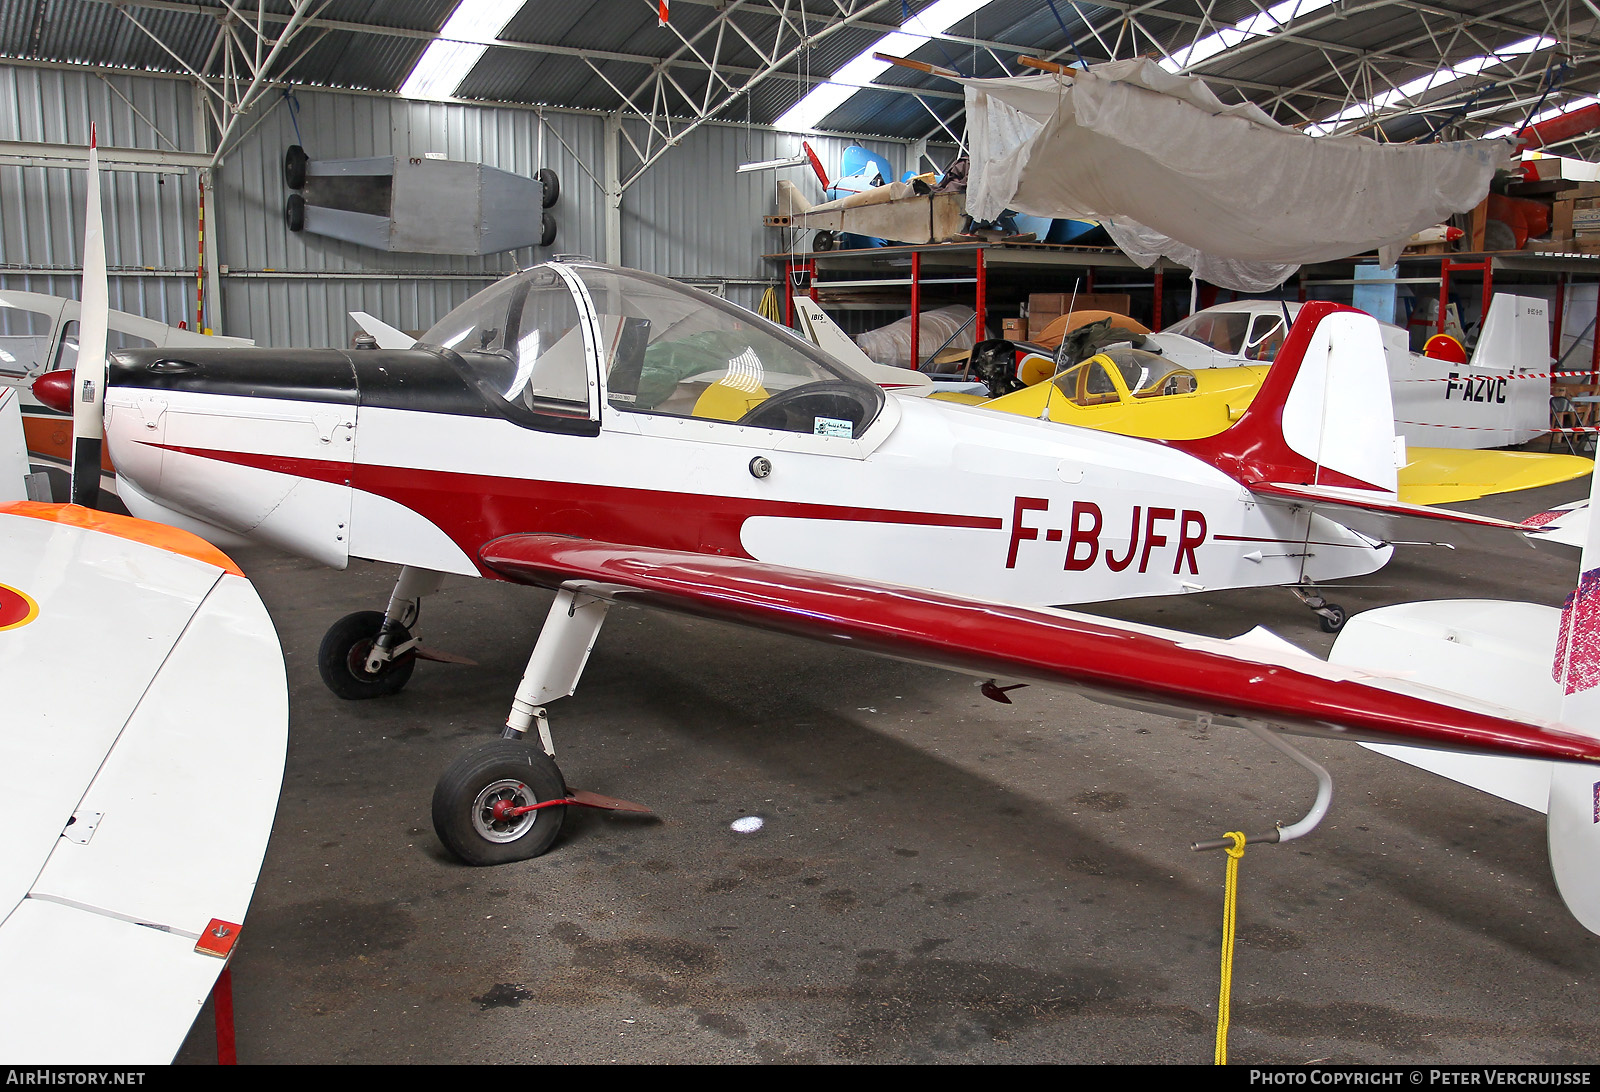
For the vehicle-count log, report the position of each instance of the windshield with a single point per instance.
(1142, 372)
(522, 340)
(1224, 331)
(672, 350)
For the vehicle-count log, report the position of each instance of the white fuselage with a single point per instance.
(931, 495)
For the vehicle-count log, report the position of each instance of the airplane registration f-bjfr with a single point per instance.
(620, 437)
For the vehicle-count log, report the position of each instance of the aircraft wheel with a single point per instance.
(823, 241)
(342, 658)
(1333, 620)
(473, 795)
(552, 186)
(294, 167)
(294, 212)
(547, 230)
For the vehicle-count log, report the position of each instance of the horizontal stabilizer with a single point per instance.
(1450, 475)
(1371, 512)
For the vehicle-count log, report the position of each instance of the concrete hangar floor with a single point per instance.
(939, 878)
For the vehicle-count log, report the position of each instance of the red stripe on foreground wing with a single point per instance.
(1054, 647)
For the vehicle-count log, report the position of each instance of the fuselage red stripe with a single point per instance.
(474, 508)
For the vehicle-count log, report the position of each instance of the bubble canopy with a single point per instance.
(663, 347)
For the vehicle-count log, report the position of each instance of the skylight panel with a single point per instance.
(1274, 18)
(1406, 92)
(862, 69)
(469, 31)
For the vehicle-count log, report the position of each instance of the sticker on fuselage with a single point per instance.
(16, 608)
(832, 426)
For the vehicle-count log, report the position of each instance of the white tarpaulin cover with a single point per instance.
(1224, 190)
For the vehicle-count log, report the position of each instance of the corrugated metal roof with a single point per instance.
(373, 44)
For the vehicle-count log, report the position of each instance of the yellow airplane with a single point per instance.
(1137, 393)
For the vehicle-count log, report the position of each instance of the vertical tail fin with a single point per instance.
(1515, 334)
(791, 202)
(1323, 415)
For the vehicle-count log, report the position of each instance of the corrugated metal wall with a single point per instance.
(689, 216)
(150, 218)
(692, 215)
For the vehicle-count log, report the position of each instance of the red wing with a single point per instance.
(1241, 680)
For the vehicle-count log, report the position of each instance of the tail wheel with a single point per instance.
(1331, 618)
(342, 658)
(484, 804)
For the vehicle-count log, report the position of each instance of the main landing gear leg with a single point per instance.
(370, 655)
(1330, 616)
(505, 800)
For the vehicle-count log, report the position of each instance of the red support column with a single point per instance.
(916, 309)
(222, 1010)
(1446, 267)
(1155, 309)
(981, 305)
(788, 293)
(1444, 294)
(1561, 300)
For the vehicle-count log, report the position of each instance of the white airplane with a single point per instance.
(619, 436)
(1438, 402)
(135, 828)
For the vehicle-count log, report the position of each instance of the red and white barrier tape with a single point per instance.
(1589, 374)
(1499, 428)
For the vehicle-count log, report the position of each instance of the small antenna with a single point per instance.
(1061, 355)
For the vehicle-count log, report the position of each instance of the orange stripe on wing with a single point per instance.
(158, 535)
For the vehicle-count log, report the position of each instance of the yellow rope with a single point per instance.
(1230, 900)
(769, 308)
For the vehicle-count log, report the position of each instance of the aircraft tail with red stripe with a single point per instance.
(1323, 415)
(1320, 433)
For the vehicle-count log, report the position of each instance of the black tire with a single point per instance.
(547, 230)
(342, 658)
(294, 167)
(294, 212)
(824, 241)
(1333, 621)
(505, 770)
(552, 186)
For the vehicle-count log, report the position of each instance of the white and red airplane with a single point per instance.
(620, 437)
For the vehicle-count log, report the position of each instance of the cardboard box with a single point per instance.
(1561, 220)
(1056, 303)
(1013, 329)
